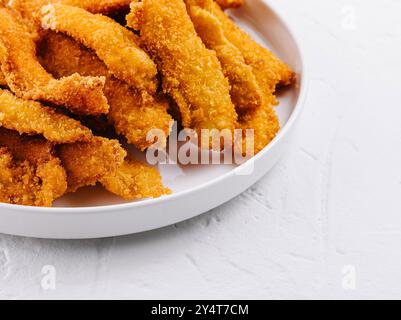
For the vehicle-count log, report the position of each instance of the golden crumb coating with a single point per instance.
(230, 4)
(35, 149)
(29, 80)
(26, 116)
(97, 6)
(116, 46)
(135, 180)
(25, 183)
(87, 162)
(268, 69)
(245, 91)
(269, 72)
(131, 113)
(264, 123)
(192, 74)
(31, 8)
(3, 82)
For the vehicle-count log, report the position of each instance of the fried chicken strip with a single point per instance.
(135, 180)
(132, 115)
(31, 8)
(230, 4)
(88, 162)
(29, 80)
(264, 123)
(31, 117)
(269, 70)
(245, 91)
(192, 74)
(115, 45)
(30, 174)
(97, 6)
(35, 149)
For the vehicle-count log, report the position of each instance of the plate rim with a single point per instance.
(298, 108)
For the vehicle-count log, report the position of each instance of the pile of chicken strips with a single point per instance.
(82, 81)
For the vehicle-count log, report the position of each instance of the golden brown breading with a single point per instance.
(36, 183)
(116, 46)
(135, 180)
(87, 162)
(132, 114)
(26, 116)
(264, 123)
(192, 74)
(98, 6)
(29, 80)
(35, 149)
(245, 91)
(268, 69)
(230, 4)
(269, 72)
(3, 82)
(31, 8)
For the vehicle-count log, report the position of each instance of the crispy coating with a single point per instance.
(3, 82)
(132, 114)
(230, 4)
(87, 162)
(116, 46)
(26, 116)
(135, 180)
(36, 183)
(35, 149)
(98, 6)
(31, 8)
(29, 80)
(245, 91)
(264, 123)
(269, 70)
(192, 74)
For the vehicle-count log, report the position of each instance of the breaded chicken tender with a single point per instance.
(31, 8)
(132, 114)
(24, 184)
(88, 162)
(98, 6)
(29, 80)
(269, 70)
(116, 46)
(245, 91)
(230, 4)
(192, 74)
(29, 172)
(30, 117)
(35, 149)
(135, 180)
(264, 123)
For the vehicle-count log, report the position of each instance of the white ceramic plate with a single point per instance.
(94, 213)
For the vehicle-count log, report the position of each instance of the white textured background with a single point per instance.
(333, 201)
